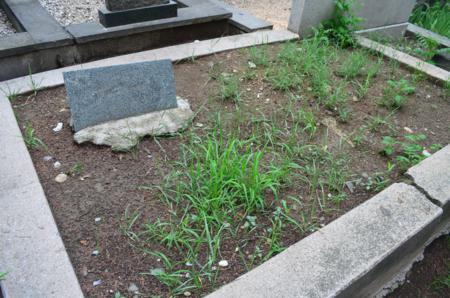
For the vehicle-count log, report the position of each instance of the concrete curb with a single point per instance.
(31, 249)
(411, 61)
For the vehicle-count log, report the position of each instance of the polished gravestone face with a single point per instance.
(114, 5)
(111, 93)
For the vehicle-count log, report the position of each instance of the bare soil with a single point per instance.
(109, 185)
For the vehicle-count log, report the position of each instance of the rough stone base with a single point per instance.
(124, 134)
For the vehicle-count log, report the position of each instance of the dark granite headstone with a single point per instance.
(137, 14)
(111, 93)
(114, 5)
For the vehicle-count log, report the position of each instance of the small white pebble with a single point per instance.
(251, 64)
(426, 153)
(408, 130)
(48, 158)
(189, 264)
(95, 253)
(187, 294)
(198, 124)
(98, 219)
(61, 178)
(57, 165)
(223, 263)
(58, 127)
(97, 283)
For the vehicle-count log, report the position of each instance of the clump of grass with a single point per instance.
(394, 95)
(282, 78)
(11, 94)
(77, 169)
(353, 65)
(30, 139)
(229, 88)
(259, 55)
(434, 17)
(308, 121)
(363, 87)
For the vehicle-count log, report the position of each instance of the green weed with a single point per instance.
(394, 95)
(259, 55)
(77, 169)
(433, 17)
(229, 88)
(409, 151)
(353, 65)
(340, 27)
(31, 141)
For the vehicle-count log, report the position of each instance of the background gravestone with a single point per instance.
(114, 5)
(111, 93)
(124, 12)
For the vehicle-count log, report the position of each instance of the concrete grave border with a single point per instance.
(403, 218)
(43, 44)
(431, 70)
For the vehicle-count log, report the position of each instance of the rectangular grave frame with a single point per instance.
(43, 44)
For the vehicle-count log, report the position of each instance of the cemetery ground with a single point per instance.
(286, 138)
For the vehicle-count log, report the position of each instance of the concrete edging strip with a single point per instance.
(413, 62)
(31, 249)
(354, 256)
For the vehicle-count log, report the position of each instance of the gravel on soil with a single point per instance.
(6, 28)
(68, 12)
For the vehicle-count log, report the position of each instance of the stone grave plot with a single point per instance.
(119, 105)
(278, 148)
(56, 33)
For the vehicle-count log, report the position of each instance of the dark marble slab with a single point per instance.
(137, 15)
(114, 5)
(111, 93)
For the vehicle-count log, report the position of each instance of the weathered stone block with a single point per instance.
(307, 14)
(104, 94)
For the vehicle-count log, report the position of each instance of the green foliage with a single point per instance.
(77, 169)
(409, 151)
(308, 121)
(394, 95)
(229, 88)
(11, 94)
(353, 65)
(435, 17)
(3, 275)
(31, 141)
(281, 78)
(340, 27)
(259, 55)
